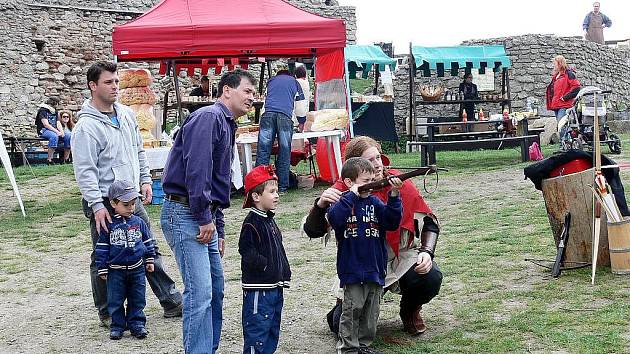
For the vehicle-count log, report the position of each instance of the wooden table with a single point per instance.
(331, 136)
(478, 139)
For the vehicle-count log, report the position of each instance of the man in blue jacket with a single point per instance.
(196, 182)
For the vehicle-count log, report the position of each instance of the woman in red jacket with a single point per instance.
(562, 90)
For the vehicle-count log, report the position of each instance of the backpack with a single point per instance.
(38, 121)
(535, 154)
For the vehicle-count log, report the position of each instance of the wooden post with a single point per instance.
(431, 148)
(507, 84)
(412, 99)
(165, 110)
(180, 113)
(262, 78)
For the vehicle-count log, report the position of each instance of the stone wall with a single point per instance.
(531, 56)
(47, 48)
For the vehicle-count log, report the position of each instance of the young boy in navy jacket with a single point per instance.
(264, 265)
(122, 253)
(360, 221)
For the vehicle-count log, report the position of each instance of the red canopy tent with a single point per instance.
(204, 29)
(203, 34)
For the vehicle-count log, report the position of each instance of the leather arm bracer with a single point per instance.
(429, 236)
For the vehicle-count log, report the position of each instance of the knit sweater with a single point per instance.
(360, 225)
(125, 246)
(264, 263)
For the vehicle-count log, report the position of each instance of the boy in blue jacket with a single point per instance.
(360, 221)
(122, 253)
(264, 265)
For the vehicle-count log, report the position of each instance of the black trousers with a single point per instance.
(419, 289)
(162, 285)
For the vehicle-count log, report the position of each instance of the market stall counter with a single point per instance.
(332, 137)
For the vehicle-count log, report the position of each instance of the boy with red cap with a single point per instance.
(264, 264)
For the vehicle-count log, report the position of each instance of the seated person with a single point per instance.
(49, 127)
(67, 124)
(203, 90)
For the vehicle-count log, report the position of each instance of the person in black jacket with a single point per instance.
(264, 264)
(470, 93)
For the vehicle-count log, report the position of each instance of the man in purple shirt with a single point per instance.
(282, 92)
(196, 182)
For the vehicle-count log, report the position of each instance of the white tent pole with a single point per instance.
(349, 102)
(6, 162)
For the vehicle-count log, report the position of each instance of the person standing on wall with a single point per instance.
(282, 92)
(594, 24)
(196, 183)
(107, 145)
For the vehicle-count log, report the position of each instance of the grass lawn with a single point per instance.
(491, 301)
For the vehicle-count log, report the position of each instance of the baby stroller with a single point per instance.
(579, 121)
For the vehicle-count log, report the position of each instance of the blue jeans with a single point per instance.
(129, 285)
(202, 274)
(261, 317)
(274, 124)
(559, 114)
(53, 139)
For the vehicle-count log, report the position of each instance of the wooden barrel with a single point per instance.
(619, 246)
(571, 193)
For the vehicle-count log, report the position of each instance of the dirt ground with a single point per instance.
(48, 308)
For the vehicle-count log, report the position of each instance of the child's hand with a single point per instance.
(150, 268)
(104, 276)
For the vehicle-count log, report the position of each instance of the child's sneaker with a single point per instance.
(115, 334)
(140, 333)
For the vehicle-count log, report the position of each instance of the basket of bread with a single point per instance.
(326, 119)
(431, 93)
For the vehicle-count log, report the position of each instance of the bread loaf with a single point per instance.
(326, 119)
(137, 95)
(144, 116)
(134, 78)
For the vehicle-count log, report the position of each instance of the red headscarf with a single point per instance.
(412, 203)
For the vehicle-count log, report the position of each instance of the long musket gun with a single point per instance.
(376, 185)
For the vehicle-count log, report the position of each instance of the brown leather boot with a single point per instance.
(413, 322)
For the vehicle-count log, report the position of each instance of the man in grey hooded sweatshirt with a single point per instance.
(107, 146)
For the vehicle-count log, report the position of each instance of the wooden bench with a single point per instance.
(17, 156)
(428, 148)
(489, 133)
